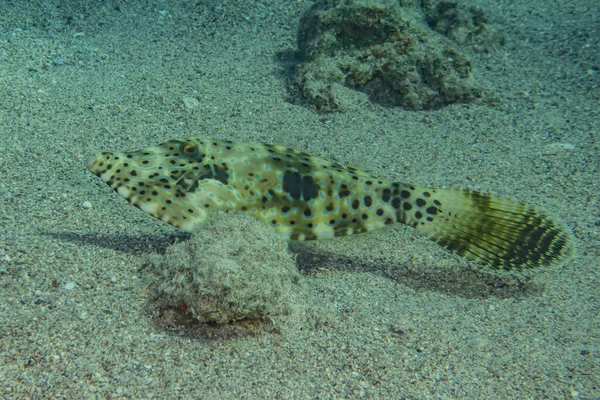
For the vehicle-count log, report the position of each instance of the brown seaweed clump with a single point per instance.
(232, 270)
(389, 52)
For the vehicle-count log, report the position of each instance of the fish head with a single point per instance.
(162, 180)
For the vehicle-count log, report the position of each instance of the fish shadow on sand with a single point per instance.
(461, 281)
(134, 244)
(467, 280)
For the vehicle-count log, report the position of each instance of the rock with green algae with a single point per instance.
(463, 23)
(387, 50)
(233, 268)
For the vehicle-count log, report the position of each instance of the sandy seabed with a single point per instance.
(407, 319)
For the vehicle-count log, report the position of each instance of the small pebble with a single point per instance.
(556, 148)
(190, 102)
(86, 205)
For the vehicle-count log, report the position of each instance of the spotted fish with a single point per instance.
(187, 180)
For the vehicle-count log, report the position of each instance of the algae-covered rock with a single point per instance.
(384, 50)
(233, 268)
(463, 23)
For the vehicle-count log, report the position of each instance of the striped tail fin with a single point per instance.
(494, 231)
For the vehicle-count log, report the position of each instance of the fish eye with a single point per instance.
(189, 149)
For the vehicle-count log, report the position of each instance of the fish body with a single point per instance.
(185, 181)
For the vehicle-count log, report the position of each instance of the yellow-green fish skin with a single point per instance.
(187, 180)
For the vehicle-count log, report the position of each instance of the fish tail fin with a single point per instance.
(494, 231)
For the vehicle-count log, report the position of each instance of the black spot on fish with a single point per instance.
(220, 173)
(300, 187)
(387, 194)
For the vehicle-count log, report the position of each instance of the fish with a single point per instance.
(185, 181)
